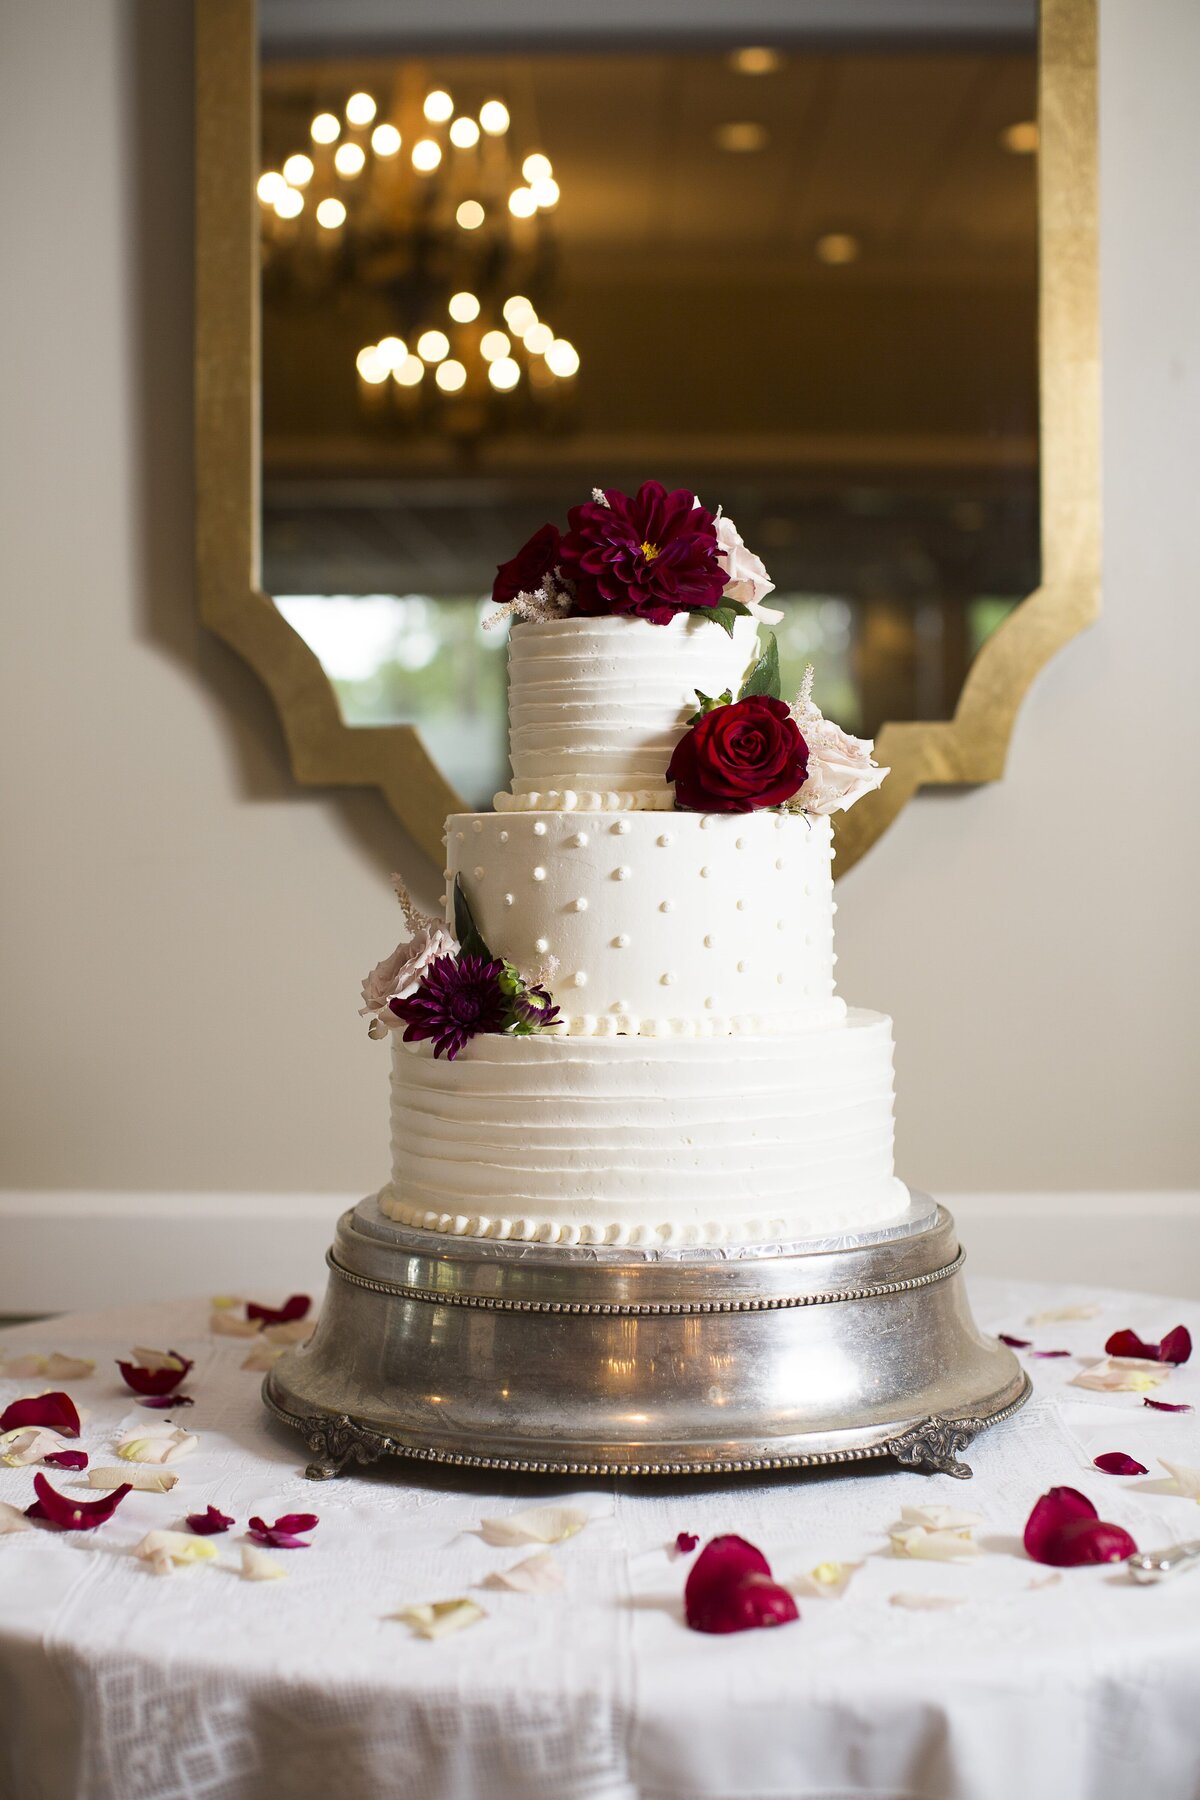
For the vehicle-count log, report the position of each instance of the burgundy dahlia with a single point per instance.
(534, 1006)
(525, 572)
(652, 555)
(458, 998)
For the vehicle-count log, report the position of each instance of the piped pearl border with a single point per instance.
(587, 800)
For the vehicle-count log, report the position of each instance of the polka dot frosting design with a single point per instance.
(659, 947)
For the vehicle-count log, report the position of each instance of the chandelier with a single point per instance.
(434, 215)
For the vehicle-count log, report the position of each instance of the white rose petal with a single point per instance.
(940, 1518)
(30, 1444)
(146, 1481)
(1184, 1480)
(440, 1618)
(1121, 1375)
(164, 1549)
(538, 1574)
(1058, 1314)
(536, 1525)
(828, 1581)
(924, 1602)
(12, 1519)
(156, 1446)
(258, 1566)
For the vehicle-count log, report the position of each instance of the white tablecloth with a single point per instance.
(117, 1684)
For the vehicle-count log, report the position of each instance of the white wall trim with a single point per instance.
(70, 1251)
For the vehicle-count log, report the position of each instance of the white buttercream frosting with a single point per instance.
(662, 924)
(596, 706)
(626, 1141)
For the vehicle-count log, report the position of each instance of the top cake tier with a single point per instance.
(596, 706)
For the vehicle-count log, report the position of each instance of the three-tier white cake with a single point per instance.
(702, 1083)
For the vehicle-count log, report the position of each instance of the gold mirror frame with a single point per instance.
(324, 751)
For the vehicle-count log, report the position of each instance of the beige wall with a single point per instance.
(184, 932)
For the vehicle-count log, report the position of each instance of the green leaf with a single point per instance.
(470, 940)
(764, 676)
(708, 704)
(723, 615)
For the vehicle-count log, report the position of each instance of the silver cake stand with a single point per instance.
(545, 1361)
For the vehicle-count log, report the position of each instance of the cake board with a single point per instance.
(707, 1361)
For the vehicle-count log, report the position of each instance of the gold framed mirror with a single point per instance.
(1032, 499)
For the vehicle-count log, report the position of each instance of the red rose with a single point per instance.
(525, 572)
(739, 757)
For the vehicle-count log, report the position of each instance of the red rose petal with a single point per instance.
(1064, 1531)
(1175, 1348)
(1167, 1405)
(1090, 1541)
(165, 1402)
(686, 1542)
(57, 1411)
(209, 1522)
(1050, 1353)
(1115, 1462)
(729, 1588)
(295, 1308)
(1054, 1510)
(282, 1534)
(1015, 1343)
(154, 1381)
(73, 1515)
(67, 1459)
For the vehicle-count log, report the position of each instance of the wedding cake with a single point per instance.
(624, 1029)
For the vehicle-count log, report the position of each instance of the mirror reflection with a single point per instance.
(799, 278)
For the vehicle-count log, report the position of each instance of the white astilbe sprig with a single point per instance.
(414, 918)
(550, 601)
(600, 497)
(543, 975)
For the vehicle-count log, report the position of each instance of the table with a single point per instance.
(118, 1684)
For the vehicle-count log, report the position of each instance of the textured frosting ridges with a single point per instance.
(596, 706)
(627, 1141)
(683, 923)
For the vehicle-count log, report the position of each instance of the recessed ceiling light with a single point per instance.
(755, 59)
(837, 248)
(1021, 138)
(741, 136)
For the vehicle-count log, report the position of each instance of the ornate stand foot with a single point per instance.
(933, 1446)
(338, 1441)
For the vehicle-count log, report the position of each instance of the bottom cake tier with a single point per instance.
(562, 1140)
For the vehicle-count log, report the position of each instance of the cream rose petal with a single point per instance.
(440, 1618)
(1184, 1480)
(1058, 1315)
(538, 1574)
(29, 1444)
(12, 1519)
(263, 1357)
(536, 1525)
(828, 1581)
(156, 1446)
(1121, 1375)
(934, 1546)
(258, 1566)
(291, 1331)
(22, 1368)
(163, 1550)
(226, 1324)
(940, 1518)
(925, 1602)
(146, 1481)
(57, 1367)
(155, 1359)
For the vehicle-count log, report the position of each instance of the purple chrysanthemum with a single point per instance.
(458, 998)
(651, 555)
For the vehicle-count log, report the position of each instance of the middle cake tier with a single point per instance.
(660, 924)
